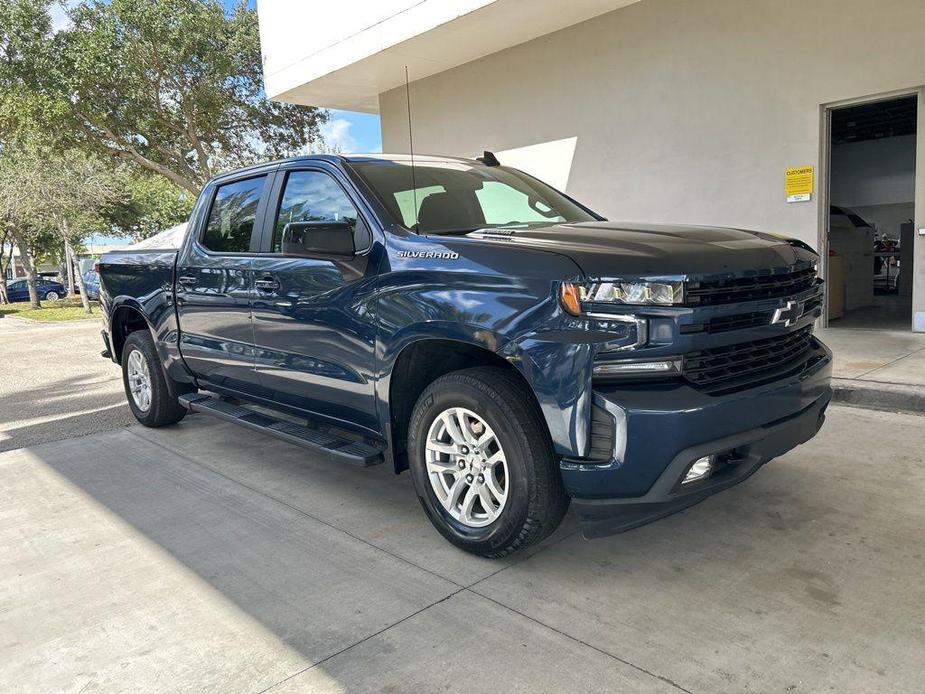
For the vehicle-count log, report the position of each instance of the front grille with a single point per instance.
(746, 364)
(730, 291)
(723, 324)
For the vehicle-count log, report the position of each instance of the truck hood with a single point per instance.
(614, 249)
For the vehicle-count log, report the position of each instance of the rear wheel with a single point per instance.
(482, 463)
(52, 296)
(152, 396)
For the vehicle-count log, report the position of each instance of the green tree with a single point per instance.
(27, 115)
(77, 192)
(149, 203)
(25, 61)
(174, 86)
(20, 169)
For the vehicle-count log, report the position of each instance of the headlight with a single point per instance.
(638, 293)
(626, 293)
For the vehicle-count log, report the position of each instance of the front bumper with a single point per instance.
(666, 428)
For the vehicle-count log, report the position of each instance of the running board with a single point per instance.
(338, 448)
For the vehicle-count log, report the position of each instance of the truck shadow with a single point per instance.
(325, 555)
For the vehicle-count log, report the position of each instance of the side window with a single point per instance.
(311, 196)
(231, 219)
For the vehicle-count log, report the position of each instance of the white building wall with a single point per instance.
(678, 110)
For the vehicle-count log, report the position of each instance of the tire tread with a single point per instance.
(165, 404)
(549, 501)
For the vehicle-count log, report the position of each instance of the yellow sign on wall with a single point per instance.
(798, 184)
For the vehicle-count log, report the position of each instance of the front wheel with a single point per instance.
(52, 296)
(151, 400)
(482, 463)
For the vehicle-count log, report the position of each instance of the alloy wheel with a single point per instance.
(467, 467)
(139, 380)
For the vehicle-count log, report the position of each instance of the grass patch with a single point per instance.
(62, 309)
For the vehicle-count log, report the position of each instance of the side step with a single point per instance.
(338, 448)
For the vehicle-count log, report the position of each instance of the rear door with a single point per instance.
(214, 280)
(314, 311)
(17, 291)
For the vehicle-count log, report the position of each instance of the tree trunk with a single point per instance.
(68, 274)
(74, 268)
(25, 256)
(5, 262)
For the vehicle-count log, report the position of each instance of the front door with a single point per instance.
(214, 281)
(314, 311)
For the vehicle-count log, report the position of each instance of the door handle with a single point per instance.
(187, 281)
(267, 284)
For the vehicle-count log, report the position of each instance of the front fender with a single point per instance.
(559, 374)
(554, 366)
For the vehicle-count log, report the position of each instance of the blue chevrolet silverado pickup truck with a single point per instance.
(512, 349)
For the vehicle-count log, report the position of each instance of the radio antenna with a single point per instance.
(414, 184)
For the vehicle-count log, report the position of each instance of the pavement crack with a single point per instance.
(889, 363)
(639, 668)
(363, 640)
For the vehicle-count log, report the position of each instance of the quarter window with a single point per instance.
(231, 220)
(311, 196)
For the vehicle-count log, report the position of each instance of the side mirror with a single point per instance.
(319, 239)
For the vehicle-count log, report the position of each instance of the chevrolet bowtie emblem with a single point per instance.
(787, 314)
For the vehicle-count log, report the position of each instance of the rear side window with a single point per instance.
(231, 219)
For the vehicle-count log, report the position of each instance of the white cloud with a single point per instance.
(58, 14)
(337, 136)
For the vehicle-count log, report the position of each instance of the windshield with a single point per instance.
(456, 197)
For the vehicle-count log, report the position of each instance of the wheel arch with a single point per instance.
(126, 318)
(419, 364)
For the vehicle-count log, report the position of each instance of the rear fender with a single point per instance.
(162, 324)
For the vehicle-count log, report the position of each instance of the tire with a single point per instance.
(52, 296)
(141, 366)
(493, 403)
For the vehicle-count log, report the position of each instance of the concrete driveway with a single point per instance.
(205, 558)
(54, 384)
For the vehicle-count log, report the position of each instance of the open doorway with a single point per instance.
(871, 230)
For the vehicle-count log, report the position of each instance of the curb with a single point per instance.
(873, 395)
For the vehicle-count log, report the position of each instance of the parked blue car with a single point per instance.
(92, 284)
(49, 290)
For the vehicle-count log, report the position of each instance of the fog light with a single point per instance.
(700, 469)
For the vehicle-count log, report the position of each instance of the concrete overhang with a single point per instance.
(343, 55)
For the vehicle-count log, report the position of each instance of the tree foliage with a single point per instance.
(27, 107)
(175, 86)
(149, 204)
(114, 123)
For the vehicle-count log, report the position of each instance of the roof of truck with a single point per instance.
(341, 158)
